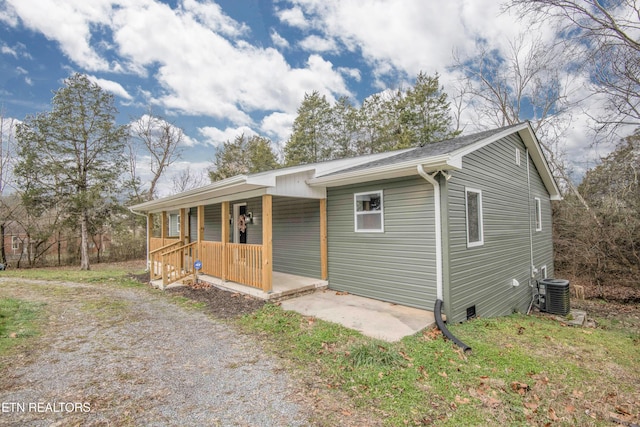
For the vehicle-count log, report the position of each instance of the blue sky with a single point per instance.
(218, 68)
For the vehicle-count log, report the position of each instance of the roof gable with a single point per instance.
(443, 155)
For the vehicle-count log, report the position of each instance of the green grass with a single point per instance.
(524, 370)
(99, 273)
(19, 321)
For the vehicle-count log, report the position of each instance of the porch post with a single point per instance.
(324, 264)
(200, 231)
(164, 227)
(225, 237)
(183, 225)
(149, 236)
(267, 243)
(183, 216)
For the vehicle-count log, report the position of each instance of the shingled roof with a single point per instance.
(428, 150)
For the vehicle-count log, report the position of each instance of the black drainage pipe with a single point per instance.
(440, 324)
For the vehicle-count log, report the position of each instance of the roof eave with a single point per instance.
(443, 162)
(189, 196)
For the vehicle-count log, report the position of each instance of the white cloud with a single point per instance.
(278, 125)
(217, 137)
(74, 35)
(293, 17)
(6, 50)
(278, 40)
(111, 86)
(210, 15)
(316, 43)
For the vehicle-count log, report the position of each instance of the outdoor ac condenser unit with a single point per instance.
(553, 296)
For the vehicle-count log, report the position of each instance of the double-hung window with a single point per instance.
(369, 212)
(473, 203)
(538, 213)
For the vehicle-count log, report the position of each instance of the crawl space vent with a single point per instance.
(471, 312)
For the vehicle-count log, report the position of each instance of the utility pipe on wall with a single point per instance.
(438, 221)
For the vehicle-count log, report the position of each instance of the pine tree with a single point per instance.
(72, 156)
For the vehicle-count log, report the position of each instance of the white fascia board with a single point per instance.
(530, 141)
(407, 168)
(187, 198)
(535, 151)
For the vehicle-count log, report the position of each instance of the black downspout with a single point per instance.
(440, 323)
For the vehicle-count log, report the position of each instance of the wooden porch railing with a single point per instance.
(244, 264)
(155, 256)
(156, 243)
(178, 263)
(211, 257)
(239, 263)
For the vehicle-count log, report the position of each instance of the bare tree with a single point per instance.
(607, 34)
(528, 81)
(188, 179)
(160, 140)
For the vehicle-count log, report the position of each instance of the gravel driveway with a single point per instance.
(116, 356)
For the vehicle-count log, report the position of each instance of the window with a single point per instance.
(538, 214)
(174, 225)
(15, 243)
(543, 272)
(473, 199)
(369, 214)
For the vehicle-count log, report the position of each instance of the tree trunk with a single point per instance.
(3, 254)
(84, 242)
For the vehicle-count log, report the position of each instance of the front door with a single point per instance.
(239, 223)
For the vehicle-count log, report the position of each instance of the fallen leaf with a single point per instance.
(494, 403)
(622, 410)
(342, 293)
(531, 405)
(346, 413)
(461, 400)
(570, 409)
(520, 388)
(443, 374)
(13, 335)
(552, 414)
(404, 356)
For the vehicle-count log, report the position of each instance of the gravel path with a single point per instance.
(117, 356)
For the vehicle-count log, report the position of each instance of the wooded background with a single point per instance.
(68, 175)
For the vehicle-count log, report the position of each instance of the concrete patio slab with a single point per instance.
(373, 318)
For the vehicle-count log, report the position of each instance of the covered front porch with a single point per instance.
(232, 243)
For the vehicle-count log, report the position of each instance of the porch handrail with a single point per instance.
(155, 259)
(177, 263)
(164, 248)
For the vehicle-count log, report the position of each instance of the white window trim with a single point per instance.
(543, 272)
(480, 219)
(356, 213)
(15, 243)
(538, 208)
(176, 232)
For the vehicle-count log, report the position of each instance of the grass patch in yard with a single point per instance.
(18, 322)
(524, 370)
(99, 273)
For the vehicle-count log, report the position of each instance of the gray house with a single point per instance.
(467, 221)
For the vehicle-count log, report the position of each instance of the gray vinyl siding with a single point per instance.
(296, 236)
(482, 276)
(397, 265)
(212, 223)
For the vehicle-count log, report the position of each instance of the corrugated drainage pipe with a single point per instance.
(440, 323)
